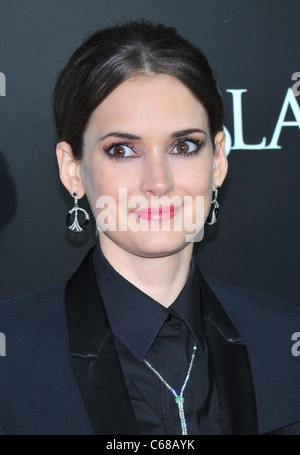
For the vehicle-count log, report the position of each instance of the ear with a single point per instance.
(220, 160)
(69, 169)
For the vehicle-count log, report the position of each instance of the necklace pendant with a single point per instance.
(179, 400)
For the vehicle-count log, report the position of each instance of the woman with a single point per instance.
(137, 341)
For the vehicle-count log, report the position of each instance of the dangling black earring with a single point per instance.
(214, 209)
(76, 226)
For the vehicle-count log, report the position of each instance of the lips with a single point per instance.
(158, 213)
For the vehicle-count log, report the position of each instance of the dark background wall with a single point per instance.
(252, 45)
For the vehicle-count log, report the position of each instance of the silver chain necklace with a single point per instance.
(178, 398)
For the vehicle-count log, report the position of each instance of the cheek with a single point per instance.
(96, 180)
(198, 180)
(92, 185)
(102, 183)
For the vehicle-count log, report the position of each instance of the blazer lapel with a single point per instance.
(94, 358)
(231, 368)
(99, 374)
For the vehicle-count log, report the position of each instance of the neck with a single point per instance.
(162, 278)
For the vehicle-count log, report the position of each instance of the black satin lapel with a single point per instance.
(231, 369)
(94, 358)
(104, 392)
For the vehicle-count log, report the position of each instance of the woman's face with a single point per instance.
(147, 156)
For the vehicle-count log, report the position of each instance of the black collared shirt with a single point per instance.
(165, 337)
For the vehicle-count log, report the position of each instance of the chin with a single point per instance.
(158, 244)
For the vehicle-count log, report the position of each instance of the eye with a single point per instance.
(184, 147)
(119, 150)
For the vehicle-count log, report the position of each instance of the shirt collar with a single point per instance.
(134, 317)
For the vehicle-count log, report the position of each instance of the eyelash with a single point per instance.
(108, 148)
(200, 144)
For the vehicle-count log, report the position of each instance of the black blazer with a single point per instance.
(61, 373)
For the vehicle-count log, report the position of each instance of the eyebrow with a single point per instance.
(187, 132)
(121, 135)
(133, 137)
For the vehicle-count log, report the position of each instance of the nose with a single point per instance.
(157, 177)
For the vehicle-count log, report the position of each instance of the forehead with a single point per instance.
(149, 104)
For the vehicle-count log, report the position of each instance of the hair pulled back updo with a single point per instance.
(115, 54)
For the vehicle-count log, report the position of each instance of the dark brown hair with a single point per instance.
(114, 55)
